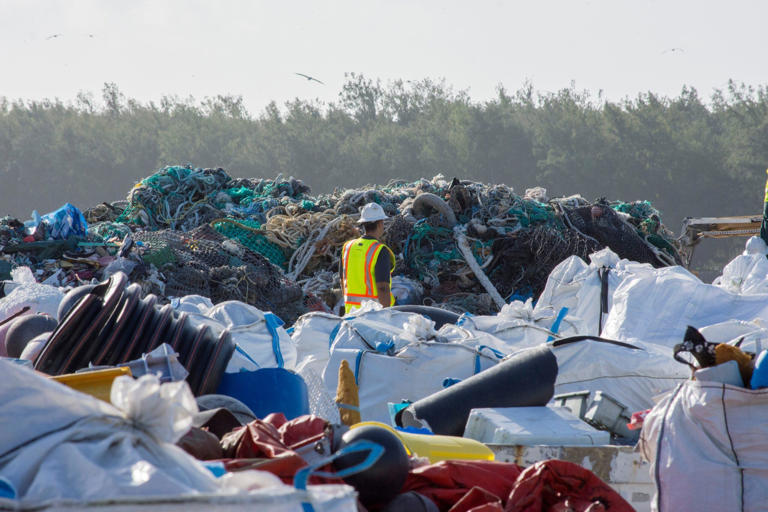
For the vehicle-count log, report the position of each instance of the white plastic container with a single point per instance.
(529, 426)
(575, 402)
(604, 411)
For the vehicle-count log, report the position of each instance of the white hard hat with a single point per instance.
(371, 213)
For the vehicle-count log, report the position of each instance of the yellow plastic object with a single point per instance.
(435, 447)
(97, 383)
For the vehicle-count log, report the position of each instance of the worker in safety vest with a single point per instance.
(367, 264)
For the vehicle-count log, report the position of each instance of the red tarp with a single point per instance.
(483, 486)
(454, 486)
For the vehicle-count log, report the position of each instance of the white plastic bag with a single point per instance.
(748, 272)
(163, 411)
(24, 291)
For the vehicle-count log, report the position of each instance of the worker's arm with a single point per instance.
(384, 294)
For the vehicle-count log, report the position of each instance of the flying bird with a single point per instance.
(310, 78)
(53, 36)
(672, 50)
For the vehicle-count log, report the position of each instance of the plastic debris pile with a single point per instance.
(466, 246)
(191, 280)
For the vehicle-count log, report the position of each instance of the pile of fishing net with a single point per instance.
(460, 244)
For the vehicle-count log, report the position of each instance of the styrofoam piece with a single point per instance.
(529, 426)
(726, 373)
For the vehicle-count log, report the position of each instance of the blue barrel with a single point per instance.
(268, 390)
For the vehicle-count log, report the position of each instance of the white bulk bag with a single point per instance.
(631, 376)
(324, 498)
(73, 446)
(706, 443)
(577, 285)
(518, 326)
(261, 340)
(312, 336)
(413, 372)
(260, 334)
(657, 307)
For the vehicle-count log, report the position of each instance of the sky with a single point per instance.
(249, 48)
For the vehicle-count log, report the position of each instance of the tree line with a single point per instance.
(689, 156)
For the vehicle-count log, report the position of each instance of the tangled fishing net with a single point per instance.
(467, 246)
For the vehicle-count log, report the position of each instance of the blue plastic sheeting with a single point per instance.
(65, 222)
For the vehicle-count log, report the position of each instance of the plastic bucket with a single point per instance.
(268, 390)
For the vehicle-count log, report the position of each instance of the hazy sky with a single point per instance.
(253, 48)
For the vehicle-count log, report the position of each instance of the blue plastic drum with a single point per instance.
(268, 390)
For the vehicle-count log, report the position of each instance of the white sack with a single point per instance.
(258, 346)
(576, 285)
(631, 376)
(414, 372)
(312, 336)
(656, 307)
(519, 326)
(269, 346)
(368, 329)
(57, 443)
(707, 447)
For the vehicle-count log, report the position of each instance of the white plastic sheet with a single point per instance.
(163, 411)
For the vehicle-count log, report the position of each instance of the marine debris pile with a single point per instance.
(461, 245)
(182, 345)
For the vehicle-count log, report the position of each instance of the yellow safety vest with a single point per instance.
(359, 259)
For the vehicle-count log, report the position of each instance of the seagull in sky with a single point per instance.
(53, 36)
(672, 50)
(310, 78)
